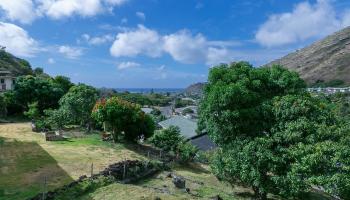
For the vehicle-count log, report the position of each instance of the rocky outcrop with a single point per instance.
(179, 182)
(326, 60)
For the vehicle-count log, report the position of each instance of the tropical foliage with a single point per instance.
(272, 135)
(123, 117)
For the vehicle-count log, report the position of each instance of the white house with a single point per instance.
(7, 81)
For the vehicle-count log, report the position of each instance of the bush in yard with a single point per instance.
(167, 139)
(56, 118)
(33, 112)
(186, 151)
(77, 104)
(123, 117)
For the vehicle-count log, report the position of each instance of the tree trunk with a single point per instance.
(258, 194)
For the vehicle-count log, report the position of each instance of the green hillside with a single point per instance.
(17, 66)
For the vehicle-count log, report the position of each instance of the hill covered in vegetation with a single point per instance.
(195, 89)
(17, 66)
(326, 61)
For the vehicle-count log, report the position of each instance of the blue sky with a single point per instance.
(160, 43)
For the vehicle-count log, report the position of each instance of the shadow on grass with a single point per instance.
(24, 167)
(195, 168)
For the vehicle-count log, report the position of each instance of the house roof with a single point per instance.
(147, 110)
(187, 127)
(203, 142)
(5, 74)
(194, 108)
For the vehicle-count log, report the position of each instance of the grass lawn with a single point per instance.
(26, 160)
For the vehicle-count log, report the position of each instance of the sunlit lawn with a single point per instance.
(26, 160)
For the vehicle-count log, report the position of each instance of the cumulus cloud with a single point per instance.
(141, 15)
(182, 46)
(64, 8)
(19, 10)
(17, 41)
(99, 40)
(304, 22)
(135, 42)
(126, 65)
(70, 52)
(25, 11)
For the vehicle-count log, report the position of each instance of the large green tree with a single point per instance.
(77, 104)
(123, 117)
(263, 123)
(44, 91)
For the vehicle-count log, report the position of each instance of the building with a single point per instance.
(187, 127)
(147, 110)
(202, 142)
(7, 81)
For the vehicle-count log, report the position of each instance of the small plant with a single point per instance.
(187, 152)
(167, 139)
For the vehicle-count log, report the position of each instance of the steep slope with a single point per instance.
(194, 89)
(324, 61)
(17, 66)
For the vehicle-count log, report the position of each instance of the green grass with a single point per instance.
(145, 189)
(26, 159)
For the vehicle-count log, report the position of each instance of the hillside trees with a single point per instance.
(123, 117)
(30, 89)
(268, 130)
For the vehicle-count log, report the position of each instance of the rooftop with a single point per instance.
(187, 127)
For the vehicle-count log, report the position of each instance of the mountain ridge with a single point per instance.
(15, 65)
(326, 60)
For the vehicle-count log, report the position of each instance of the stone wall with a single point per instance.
(125, 172)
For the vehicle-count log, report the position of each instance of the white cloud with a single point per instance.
(64, 8)
(304, 22)
(20, 10)
(126, 65)
(116, 2)
(51, 61)
(17, 41)
(97, 40)
(141, 15)
(182, 46)
(140, 41)
(26, 11)
(70, 52)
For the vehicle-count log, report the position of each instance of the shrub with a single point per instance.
(187, 152)
(167, 139)
(33, 112)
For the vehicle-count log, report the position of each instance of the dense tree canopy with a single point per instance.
(77, 104)
(271, 134)
(63, 82)
(123, 117)
(30, 89)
